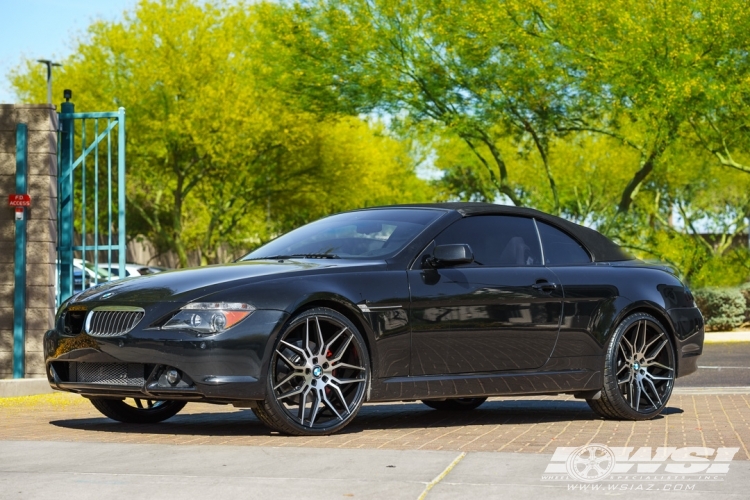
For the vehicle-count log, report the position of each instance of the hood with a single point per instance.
(189, 284)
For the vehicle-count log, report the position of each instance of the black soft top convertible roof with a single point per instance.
(601, 248)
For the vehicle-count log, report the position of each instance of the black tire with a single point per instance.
(456, 404)
(320, 358)
(151, 413)
(639, 370)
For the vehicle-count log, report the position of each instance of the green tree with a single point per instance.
(217, 155)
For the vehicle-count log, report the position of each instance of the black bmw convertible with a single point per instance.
(445, 303)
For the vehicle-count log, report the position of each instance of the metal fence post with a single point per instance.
(65, 250)
(121, 190)
(19, 292)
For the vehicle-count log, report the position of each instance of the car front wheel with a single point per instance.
(317, 377)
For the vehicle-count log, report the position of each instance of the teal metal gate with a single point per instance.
(91, 198)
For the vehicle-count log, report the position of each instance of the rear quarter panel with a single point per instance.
(598, 297)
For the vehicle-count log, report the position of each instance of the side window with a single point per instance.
(496, 240)
(559, 248)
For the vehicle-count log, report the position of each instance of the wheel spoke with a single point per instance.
(661, 334)
(637, 399)
(344, 381)
(631, 390)
(340, 395)
(645, 393)
(308, 352)
(138, 403)
(328, 404)
(290, 393)
(301, 409)
(643, 342)
(624, 354)
(342, 350)
(293, 348)
(657, 350)
(287, 360)
(636, 337)
(632, 349)
(347, 365)
(314, 405)
(321, 347)
(654, 363)
(656, 393)
(287, 379)
(335, 338)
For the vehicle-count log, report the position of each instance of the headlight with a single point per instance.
(209, 317)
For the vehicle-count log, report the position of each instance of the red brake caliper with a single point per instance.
(329, 355)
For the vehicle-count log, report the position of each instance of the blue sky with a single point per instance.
(46, 29)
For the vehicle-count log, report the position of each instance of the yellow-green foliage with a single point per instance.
(217, 154)
(248, 119)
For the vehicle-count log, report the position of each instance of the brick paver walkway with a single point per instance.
(528, 425)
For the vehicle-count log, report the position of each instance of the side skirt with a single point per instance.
(485, 384)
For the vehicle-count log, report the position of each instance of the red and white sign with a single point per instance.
(19, 200)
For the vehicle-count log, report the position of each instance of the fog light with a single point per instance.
(173, 376)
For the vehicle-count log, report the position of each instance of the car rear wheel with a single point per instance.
(639, 370)
(317, 377)
(137, 411)
(456, 404)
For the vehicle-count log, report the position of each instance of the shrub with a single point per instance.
(745, 291)
(723, 308)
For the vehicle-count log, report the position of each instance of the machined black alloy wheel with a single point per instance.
(137, 411)
(318, 375)
(639, 370)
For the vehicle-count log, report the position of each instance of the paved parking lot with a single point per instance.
(523, 425)
(58, 444)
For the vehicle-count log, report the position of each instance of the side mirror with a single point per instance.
(451, 255)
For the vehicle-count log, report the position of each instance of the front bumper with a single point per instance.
(226, 367)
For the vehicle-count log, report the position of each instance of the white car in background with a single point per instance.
(132, 269)
(94, 274)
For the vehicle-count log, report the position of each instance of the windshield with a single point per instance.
(365, 234)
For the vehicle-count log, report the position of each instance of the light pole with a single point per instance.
(49, 65)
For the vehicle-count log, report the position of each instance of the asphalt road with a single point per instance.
(721, 365)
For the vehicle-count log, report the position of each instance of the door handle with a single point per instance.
(545, 286)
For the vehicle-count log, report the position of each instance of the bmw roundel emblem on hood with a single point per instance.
(107, 295)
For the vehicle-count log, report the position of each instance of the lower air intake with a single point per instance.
(109, 373)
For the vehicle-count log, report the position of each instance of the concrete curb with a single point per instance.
(720, 337)
(15, 387)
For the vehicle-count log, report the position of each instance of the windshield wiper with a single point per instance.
(298, 256)
(316, 255)
(270, 257)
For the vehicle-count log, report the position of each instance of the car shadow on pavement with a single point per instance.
(391, 416)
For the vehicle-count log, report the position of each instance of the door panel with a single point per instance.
(500, 313)
(482, 320)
